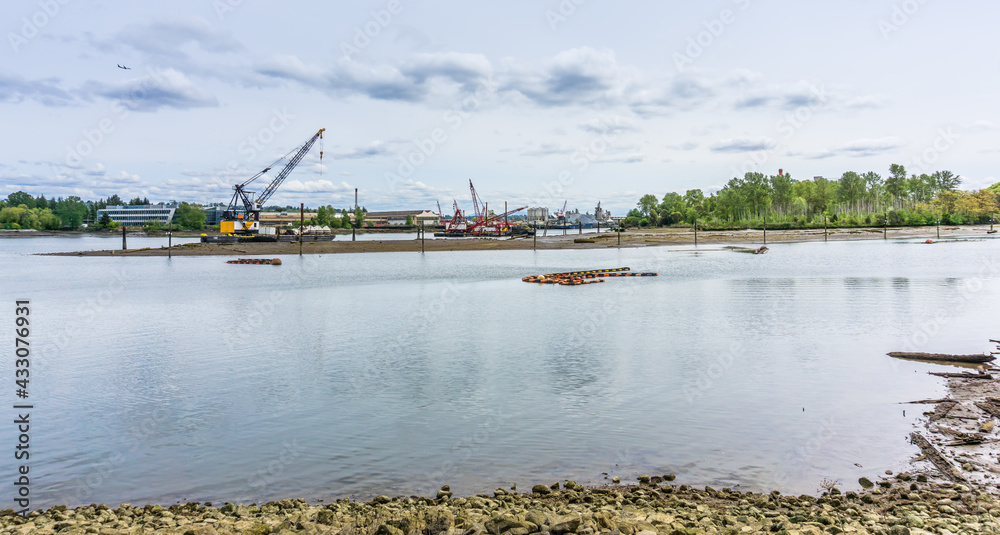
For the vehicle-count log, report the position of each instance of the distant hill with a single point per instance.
(995, 188)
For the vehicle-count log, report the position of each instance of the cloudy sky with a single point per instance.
(536, 102)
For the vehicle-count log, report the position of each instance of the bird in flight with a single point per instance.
(124, 67)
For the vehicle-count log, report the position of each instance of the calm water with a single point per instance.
(160, 380)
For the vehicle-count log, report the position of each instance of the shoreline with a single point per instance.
(340, 243)
(901, 505)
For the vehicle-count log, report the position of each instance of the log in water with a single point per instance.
(941, 357)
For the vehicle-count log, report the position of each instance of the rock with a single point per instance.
(386, 529)
(644, 479)
(566, 526)
(554, 486)
(446, 487)
(922, 478)
(616, 480)
(500, 492)
(439, 521)
(541, 489)
(669, 477)
(967, 467)
(325, 517)
(899, 530)
(443, 494)
(987, 427)
(382, 498)
(200, 530)
(866, 483)
(259, 528)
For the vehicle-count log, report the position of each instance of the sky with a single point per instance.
(539, 103)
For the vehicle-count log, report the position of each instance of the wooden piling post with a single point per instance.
(170, 237)
(696, 232)
(124, 244)
(765, 229)
(302, 220)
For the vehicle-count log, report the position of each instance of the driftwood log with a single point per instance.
(939, 461)
(942, 410)
(963, 375)
(991, 406)
(941, 357)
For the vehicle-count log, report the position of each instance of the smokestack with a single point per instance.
(781, 172)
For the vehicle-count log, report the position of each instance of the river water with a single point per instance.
(163, 380)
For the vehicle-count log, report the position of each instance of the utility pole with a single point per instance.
(885, 226)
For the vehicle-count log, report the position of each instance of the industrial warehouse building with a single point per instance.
(139, 215)
(398, 218)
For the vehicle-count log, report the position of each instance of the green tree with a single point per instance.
(647, 203)
(895, 185)
(694, 198)
(190, 216)
(851, 188)
(945, 181)
(19, 197)
(782, 186)
(359, 217)
(71, 211)
(874, 185)
(409, 220)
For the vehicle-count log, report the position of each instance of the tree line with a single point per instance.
(855, 199)
(21, 210)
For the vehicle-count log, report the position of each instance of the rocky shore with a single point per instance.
(899, 505)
